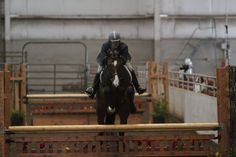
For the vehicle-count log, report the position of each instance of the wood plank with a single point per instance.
(77, 95)
(116, 128)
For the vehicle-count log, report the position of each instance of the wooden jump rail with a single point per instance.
(116, 128)
(71, 104)
(51, 96)
(81, 140)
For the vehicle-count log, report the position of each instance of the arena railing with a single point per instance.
(193, 82)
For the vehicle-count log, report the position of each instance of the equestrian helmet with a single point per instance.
(114, 37)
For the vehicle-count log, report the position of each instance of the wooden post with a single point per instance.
(16, 91)
(152, 88)
(232, 106)
(2, 138)
(7, 97)
(152, 78)
(6, 67)
(23, 88)
(4, 111)
(166, 81)
(223, 108)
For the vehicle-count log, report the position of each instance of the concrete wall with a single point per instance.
(191, 106)
(141, 50)
(206, 54)
(84, 19)
(208, 16)
(89, 21)
(195, 29)
(189, 28)
(2, 43)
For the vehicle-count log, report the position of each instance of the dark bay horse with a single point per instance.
(113, 95)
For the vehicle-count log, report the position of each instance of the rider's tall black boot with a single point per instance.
(91, 91)
(131, 93)
(136, 84)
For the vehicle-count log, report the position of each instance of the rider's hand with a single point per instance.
(115, 52)
(105, 60)
(109, 52)
(123, 60)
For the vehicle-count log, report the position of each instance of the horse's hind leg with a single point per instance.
(100, 117)
(123, 120)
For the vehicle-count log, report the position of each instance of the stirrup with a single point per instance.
(141, 90)
(90, 92)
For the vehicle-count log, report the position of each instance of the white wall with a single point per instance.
(197, 7)
(81, 7)
(136, 20)
(191, 106)
(188, 15)
(80, 29)
(80, 19)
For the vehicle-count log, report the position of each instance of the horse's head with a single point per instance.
(115, 69)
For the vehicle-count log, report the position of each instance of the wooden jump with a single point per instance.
(73, 109)
(141, 140)
(117, 128)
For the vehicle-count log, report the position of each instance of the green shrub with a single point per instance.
(159, 111)
(17, 118)
(231, 152)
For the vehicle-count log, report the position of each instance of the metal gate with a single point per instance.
(55, 77)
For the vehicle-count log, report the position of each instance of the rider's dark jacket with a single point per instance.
(184, 67)
(106, 50)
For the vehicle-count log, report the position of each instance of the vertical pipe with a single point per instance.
(54, 78)
(166, 81)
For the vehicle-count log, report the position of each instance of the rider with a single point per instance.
(114, 44)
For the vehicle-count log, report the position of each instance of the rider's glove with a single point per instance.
(104, 61)
(123, 60)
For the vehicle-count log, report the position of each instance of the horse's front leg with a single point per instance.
(100, 116)
(123, 121)
(124, 114)
(111, 111)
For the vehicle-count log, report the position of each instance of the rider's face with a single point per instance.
(115, 44)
